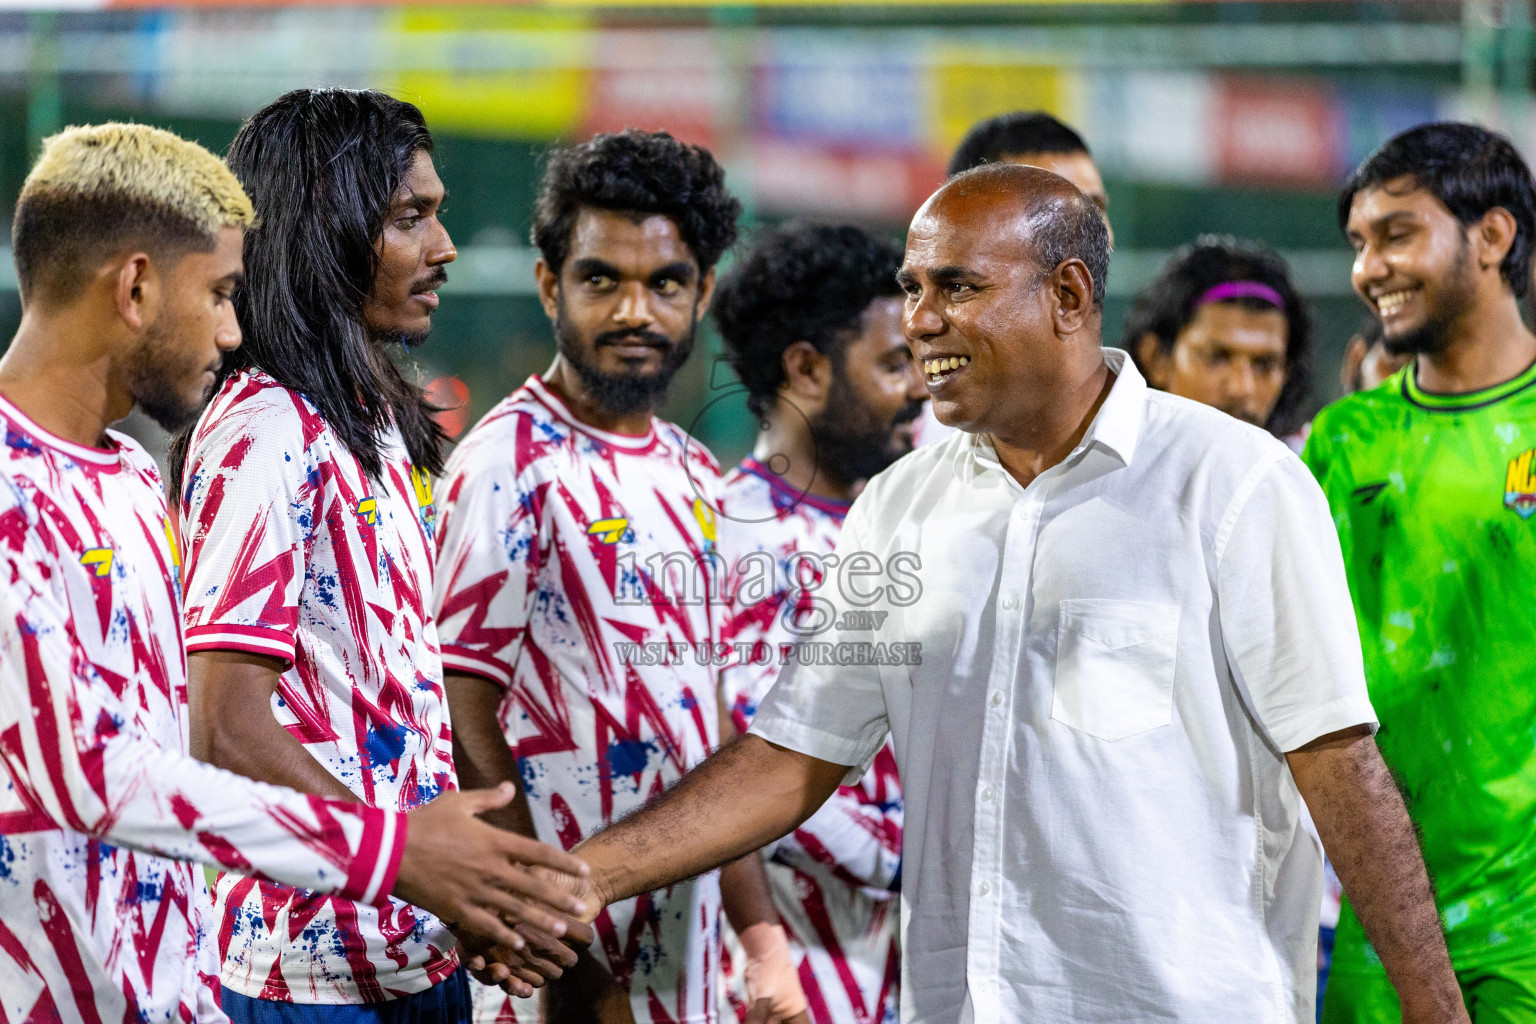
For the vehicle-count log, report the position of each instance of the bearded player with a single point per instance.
(811, 319)
(308, 517)
(1432, 481)
(127, 242)
(574, 586)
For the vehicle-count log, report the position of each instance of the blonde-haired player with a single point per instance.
(128, 246)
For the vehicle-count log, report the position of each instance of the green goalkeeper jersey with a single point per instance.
(1434, 497)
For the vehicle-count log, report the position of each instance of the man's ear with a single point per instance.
(1072, 296)
(1150, 354)
(1494, 235)
(139, 291)
(706, 291)
(807, 377)
(548, 282)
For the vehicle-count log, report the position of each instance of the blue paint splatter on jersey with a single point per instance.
(385, 743)
(628, 757)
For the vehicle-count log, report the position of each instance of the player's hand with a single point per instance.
(518, 971)
(770, 975)
(578, 887)
(481, 880)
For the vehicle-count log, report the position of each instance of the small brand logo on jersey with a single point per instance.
(423, 485)
(367, 511)
(170, 540)
(99, 559)
(609, 531)
(706, 517)
(1520, 484)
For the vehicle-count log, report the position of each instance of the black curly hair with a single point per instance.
(642, 173)
(799, 282)
(1468, 168)
(1167, 305)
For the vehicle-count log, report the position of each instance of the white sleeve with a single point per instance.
(1286, 617)
(77, 759)
(832, 709)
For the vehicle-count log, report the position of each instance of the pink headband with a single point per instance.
(1241, 290)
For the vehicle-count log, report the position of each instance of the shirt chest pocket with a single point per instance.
(1115, 666)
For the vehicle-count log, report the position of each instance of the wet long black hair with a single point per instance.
(321, 166)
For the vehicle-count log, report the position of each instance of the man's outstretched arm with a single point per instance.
(743, 797)
(1370, 839)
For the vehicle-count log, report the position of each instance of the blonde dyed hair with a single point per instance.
(100, 190)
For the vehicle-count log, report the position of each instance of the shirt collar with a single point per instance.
(1116, 428)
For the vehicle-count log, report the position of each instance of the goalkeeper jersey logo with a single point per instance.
(1520, 484)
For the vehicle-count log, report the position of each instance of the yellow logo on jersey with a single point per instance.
(1520, 484)
(609, 531)
(706, 517)
(423, 484)
(170, 540)
(367, 510)
(98, 558)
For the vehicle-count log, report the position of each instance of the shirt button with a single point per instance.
(1010, 603)
(997, 699)
(986, 794)
(984, 888)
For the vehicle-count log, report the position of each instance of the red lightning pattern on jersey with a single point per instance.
(547, 529)
(833, 877)
(98, 792)
(293, 552)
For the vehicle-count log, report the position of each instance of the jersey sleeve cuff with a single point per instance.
(379, 853)
(471, 662)
(859, 752)
(274, 643)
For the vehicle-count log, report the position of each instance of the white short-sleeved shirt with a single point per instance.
(573, 572)
(103, 915)
(1100, 822)
(293, 551)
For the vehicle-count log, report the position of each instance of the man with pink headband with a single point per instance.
(1223, 325)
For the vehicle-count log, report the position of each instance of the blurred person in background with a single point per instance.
(1224, 325)
(1431, 478)
(1366, 360)
(576, 582)
(307, 515)
(127, 243)
(811, 320)
(1032, 138)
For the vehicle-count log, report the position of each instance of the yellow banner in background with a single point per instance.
(965, 86)
(544, 102)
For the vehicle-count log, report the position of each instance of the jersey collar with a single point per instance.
(105, 458)
(552, 401)
(1467, 400)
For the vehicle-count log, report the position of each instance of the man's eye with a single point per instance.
(668, 286)
(599, 280)
(960, 291)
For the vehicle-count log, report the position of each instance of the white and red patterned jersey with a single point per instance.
(98, 793)
(292, 551)
(570, 574)
(833, 878)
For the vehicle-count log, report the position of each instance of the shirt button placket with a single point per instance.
(986, 862)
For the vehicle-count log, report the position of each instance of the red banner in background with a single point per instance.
(1277, 132)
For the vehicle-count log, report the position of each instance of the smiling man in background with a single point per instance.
(1432, 481)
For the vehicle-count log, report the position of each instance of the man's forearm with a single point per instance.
(480, 751)
(743, 797)
(1370, 839)
(229, 695)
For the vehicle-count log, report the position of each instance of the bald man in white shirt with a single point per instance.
(1136, 657)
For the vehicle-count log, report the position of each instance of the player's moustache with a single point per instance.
(630, 337)
(909, 412)
(432, 282)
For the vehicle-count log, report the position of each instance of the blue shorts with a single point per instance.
(447, 1002)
